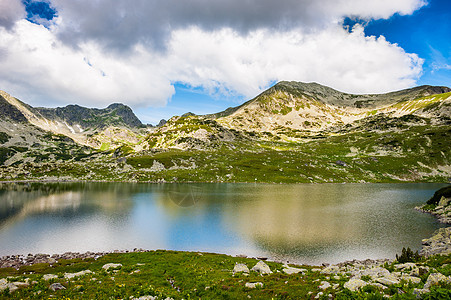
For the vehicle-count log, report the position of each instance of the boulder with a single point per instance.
(324, 285)
(78, 274)
(435, 278)
(49, 276)
(387, 280)
(240, 268)
(411, 279)
(291, 270)
(106, 267)
(375, 272)
(56, 286)
(253, 285)
(262, 268)
(444, 201)
(354, 284)
(331, 270)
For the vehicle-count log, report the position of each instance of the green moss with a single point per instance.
(105, 146)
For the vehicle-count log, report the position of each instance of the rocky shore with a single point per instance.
(18, 261)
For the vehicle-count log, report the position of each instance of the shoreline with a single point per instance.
(18, 260)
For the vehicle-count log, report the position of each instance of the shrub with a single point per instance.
(407, 255)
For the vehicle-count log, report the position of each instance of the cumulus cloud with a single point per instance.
(126, 23)
(94, 53)
(10, 12)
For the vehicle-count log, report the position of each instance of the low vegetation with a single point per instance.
(195, 275)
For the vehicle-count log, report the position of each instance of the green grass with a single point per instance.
(187, 275)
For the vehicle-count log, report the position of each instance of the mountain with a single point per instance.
(92, 127)
(82, 118)
(292, 132)
(310, 107)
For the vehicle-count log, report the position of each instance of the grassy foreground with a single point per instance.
(193, 275)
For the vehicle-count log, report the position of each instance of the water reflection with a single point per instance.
(305, 223)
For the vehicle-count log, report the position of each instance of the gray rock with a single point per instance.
(253, 285)
(420, 292)
(444, 201)
(405, 266)
(262, 268)
(3, 284)
(49, 276)
(331, 270)
(374, 273)
(78, 274)
(387, 280)
(146, 298)
(411, 279)
(378, 285)
(435, 278)
(354, 284)
(240, 268)
(291, 270)
(324, 285)
(106, 267)
(56, 286)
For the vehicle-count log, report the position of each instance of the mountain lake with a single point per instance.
(302, 223)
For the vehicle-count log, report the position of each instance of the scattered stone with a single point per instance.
(291, 270)
(324, 285)
(378, 285)
(411, 279)
(106, 267)
(240, 268)
(56, 286)
(331, 270)
(336, 277)
(435, 278)
(135, 272)
(262, 268)
(319, 295)
(387, 280)
(420, 292)
(374, 273)
(49, 276)
(316, 270)
(439, 243)
(405, 266)
(78, 274)
(145, 298)
(253, 285)
(354, 284)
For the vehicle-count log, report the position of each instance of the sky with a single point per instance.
(169, 57)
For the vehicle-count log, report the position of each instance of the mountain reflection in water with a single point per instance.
(307, 223)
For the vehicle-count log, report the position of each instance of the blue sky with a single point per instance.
(169, 57)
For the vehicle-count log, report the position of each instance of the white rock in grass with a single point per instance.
(262, 268)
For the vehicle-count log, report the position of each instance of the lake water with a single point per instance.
(304, 223)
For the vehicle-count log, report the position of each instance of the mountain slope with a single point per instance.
(108, 127)
(313, 107)
(293, 132)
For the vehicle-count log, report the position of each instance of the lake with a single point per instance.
(303, 223)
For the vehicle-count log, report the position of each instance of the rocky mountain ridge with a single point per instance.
(313, 107)
(87, 126)
(293, 132)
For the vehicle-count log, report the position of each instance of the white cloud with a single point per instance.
(122, 24)
(348, 61)
(37, 65)
(10, 12)
(40, 67)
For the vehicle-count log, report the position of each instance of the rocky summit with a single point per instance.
(292, 132)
